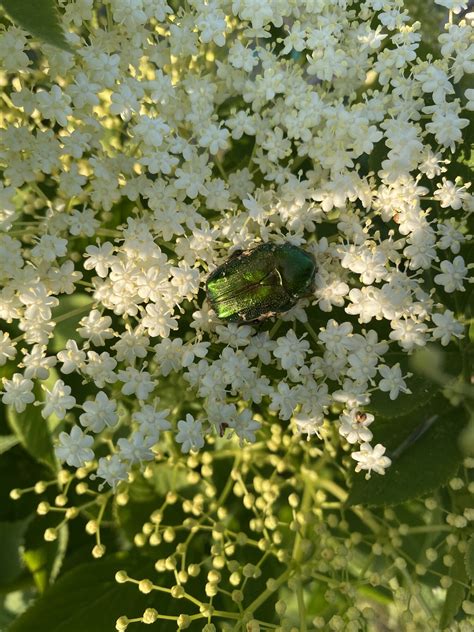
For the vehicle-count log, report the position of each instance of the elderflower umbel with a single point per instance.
(175, 137)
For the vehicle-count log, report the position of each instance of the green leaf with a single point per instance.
(11, 537)
(34, 434)
(469, 558)
(40, 18)
(89, 598)
(455, 593)
(421, 467)
(7, 442)
(44, 562)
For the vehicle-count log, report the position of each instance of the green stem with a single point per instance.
(431, 528)
(312, 333)
(297, 555)
(220, 167)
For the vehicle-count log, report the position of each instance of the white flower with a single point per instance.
(75, 448)
(83, 222)
(151, 131)
(186, 281)
(456, 6)
(158, 321)
(368, 343)
(63, 279)
(372, 39)
(371, 459)
(54, 105)
(354, 426)
(362, 365)
(435, 80)
(431, 165)
(336, 337)
(38, 303)
(190, 434)
(96, 328)
(290, 350)
(446, 125)
(421, 251)
(260, 346)
(136, 382)
(213, 138)
(369, 264)
(100, 258)
(352, 394)
(100, 368)
(285, 400)
(211, 22)
(136, 448)
(450, 237)
(83, 92)
(366, 303)
(408, 333)
(7, 348)
(131, 345)
(452, 275)
(151, 421)
(72, 358)
(49, 247)
(446, 327)
(469, 94)
(99, 414)
(330, 292)
(58, 400)
(309, 424)
(449, 195)
(17, 392)
(112, 470)
(234, 335)
(244, 426)
(393, 381)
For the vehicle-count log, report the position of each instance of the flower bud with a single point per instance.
(150, 615)
(145, 586)
(121, 624)
(98, 551)
(50, 535)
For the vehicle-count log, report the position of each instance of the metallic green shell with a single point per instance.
(258, 283)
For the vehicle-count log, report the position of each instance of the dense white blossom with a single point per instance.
(174, 138)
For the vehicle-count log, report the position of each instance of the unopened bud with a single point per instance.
(150, 615)
(121, 624)
(50, 535)
(98, 551)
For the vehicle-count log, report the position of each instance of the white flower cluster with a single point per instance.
(171, 138)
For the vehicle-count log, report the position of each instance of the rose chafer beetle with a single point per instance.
(256, 284)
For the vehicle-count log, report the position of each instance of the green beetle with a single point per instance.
(258, 283)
